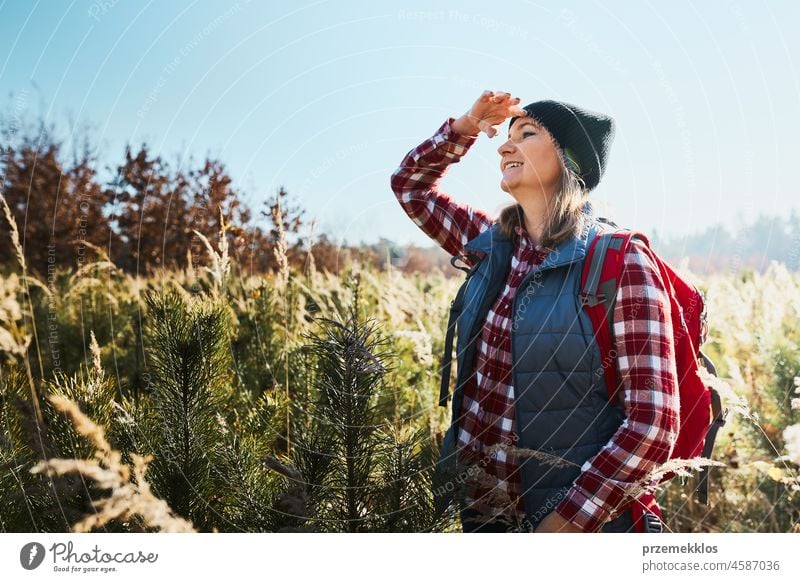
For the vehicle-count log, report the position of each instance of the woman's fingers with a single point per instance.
(501, 96)
(494, 107)
(487, 127)
(493, 96)
(503, 112)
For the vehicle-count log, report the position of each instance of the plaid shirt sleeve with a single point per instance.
(415, 183)
(646, 362)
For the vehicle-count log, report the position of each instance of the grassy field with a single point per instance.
(210, 400)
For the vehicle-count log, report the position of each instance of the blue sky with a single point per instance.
(325, 98)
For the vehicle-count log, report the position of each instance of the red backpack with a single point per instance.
(701, 413)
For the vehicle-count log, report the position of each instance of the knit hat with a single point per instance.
(584, 136)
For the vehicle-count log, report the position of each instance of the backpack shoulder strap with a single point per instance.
(600, 279)
(455, 308)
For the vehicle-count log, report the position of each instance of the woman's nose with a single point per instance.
(507, 147)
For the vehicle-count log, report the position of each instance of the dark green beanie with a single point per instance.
(584, 136)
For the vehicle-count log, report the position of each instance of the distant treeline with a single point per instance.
(716, 249)
(147, 216)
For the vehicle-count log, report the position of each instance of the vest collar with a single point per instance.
(489, 238)
(567, 251)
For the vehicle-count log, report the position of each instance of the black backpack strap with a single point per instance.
(456, 306)
(711, 435)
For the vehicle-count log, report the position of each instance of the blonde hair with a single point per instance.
(565, 217)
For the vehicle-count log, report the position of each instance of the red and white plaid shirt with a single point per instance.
(643, 334)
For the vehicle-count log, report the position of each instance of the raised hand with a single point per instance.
(490, 110)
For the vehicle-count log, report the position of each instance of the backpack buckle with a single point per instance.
(651, 523)
(592, 300)
(467, 269)
(703, 319)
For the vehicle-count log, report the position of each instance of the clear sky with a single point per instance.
(326, 97)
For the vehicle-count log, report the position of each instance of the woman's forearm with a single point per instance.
(466, 127)
(416, 186)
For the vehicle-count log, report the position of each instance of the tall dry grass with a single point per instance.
(754, 339)
(129, 492)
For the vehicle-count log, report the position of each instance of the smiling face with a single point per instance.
(529, 160)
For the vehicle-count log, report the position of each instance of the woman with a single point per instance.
(545, 450)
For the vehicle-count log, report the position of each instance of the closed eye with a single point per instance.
(522, 135)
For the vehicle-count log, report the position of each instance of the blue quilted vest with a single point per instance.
(561, 402)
